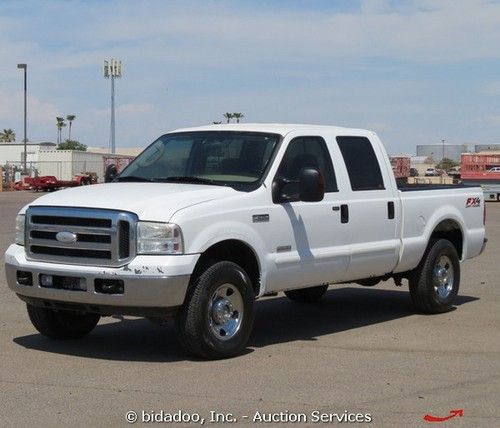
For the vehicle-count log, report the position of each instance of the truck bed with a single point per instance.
(417, 187)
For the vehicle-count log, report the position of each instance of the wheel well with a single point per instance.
(234, 251)
(450, 230)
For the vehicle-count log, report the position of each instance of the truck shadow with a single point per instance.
(277, 320)
(341, 309)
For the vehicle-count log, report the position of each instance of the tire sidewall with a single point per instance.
(215, 276)
(442, 248)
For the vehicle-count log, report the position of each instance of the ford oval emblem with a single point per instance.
(66, 237)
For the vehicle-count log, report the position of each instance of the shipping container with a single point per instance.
(482, 169)
(66, 164)
(400, 166)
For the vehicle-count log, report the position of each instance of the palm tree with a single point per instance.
(70, 118)
(228, 116)
(60, 124)
(238, 116)
(8, 136)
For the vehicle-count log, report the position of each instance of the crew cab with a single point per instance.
(206, 220)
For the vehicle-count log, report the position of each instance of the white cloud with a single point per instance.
(134, 108)
(491, 119)
(290, 64)
(379, 126)
(12, 109)
(492, 88)
(199, 33)
(430, 31)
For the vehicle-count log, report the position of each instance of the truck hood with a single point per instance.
(150, 201)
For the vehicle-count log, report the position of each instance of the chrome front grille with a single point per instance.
(96, 237)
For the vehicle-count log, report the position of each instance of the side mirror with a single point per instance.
(110, 174)
(311, 185)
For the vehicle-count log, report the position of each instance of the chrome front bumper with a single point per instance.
(148, 281)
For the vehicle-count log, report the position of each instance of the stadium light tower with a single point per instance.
(112, 70)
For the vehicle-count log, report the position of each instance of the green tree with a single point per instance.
(8, 136)
(60, 125)
(72, 145)
(228, 116)
(238, 116)
(70, 118)
(446, 164)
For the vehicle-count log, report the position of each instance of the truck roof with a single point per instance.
(277, 128)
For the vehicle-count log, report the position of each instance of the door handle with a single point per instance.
(344, 213)
(390, 210)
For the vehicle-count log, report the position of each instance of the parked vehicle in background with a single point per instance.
(482, 169)
(414, 172)
(120, 162)
(431, 172)
(206, 220)
(454, 172)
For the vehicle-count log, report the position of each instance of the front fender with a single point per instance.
(231, 230)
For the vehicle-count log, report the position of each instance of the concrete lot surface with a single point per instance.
(360, 349)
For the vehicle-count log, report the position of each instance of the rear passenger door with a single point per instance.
(371, 209)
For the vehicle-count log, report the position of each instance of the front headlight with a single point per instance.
(20, 222)
(159, 238)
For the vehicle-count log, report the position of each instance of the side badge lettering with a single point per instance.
(260, 218)
(473, 202)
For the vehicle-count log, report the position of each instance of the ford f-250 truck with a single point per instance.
(208, 219)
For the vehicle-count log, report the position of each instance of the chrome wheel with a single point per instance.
(225, 312)
(443, 277)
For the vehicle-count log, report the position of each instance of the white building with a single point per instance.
(65, 164)
(44, 159)
(12, 153)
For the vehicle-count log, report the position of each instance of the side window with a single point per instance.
(361, 162)
(303, 152)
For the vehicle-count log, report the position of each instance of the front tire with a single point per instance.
(58, 324)
(217, 316)
(435, 282)
(307, 295)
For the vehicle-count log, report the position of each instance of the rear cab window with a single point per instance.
(362, 165)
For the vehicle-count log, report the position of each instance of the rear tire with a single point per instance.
(435, 282)
(307, 295)
(216, 318)
(58, 324)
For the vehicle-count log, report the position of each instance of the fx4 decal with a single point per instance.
(473, 202)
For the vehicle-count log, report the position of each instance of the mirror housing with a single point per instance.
(111, 173)
(311, 185)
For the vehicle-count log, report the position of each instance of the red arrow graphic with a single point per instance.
(453, 413)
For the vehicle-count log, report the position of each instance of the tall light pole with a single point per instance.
(112, 70)
(25, 68)
(443, 151)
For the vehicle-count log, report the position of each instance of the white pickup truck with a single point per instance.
(205, 220)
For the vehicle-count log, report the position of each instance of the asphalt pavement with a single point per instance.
(358, 351)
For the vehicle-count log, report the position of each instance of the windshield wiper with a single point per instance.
(188, 179)
(133, 178)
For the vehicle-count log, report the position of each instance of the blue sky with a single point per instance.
(414, 71)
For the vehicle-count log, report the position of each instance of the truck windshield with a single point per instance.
(228, 158)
